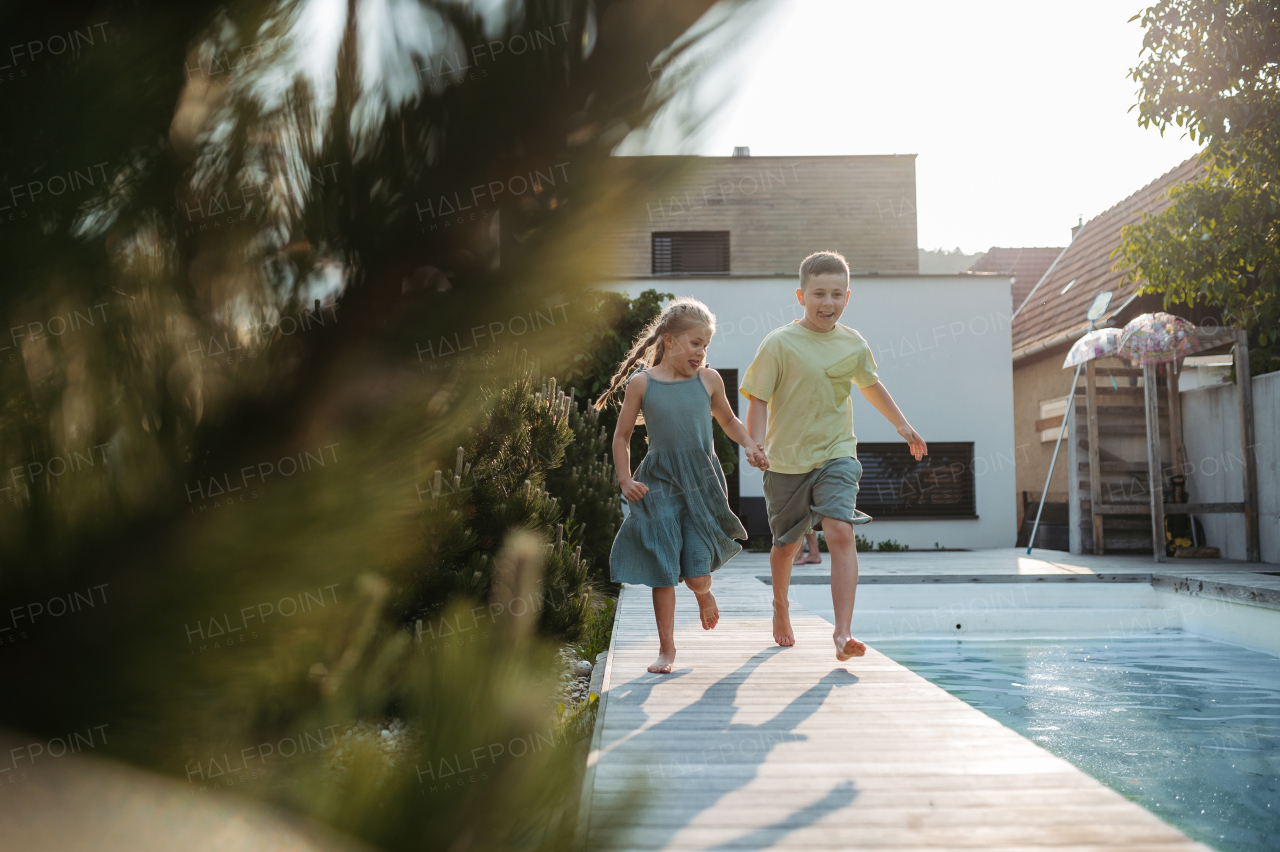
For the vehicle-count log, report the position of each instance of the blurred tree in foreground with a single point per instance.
(250, 252)
(1214, 68)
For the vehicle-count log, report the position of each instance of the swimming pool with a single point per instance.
(1186, 726)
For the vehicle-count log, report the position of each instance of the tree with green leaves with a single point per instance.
(251, 251)
(1213, 68)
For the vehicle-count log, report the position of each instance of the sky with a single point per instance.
(1018, 112)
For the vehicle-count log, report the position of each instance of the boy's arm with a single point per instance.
(631, 489)
(758, 386)
(757, 418)
(878, 396)
(729, 421)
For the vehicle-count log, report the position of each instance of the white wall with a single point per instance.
(1211, 433)
(942, 345)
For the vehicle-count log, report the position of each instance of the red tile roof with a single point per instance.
(1026, 265)
(1087, 268)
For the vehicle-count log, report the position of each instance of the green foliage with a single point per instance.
(726, 450)
(760, 544)
(599, 630)
(478, 727)
(579, 722)
(497, 485)
(1210, 67)
(861, 542)
(607, 325)
(587, 485)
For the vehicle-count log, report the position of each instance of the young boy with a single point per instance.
(798, 387)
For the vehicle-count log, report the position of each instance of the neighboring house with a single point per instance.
(1025, 266)
(732, 232)
(1046, 323)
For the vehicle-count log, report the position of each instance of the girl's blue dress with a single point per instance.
(683, 527)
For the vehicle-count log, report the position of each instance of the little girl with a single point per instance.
(679, 528)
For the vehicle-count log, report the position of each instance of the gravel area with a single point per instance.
(575, 679)
(387, 737)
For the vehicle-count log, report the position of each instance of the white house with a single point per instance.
(732, 232)
(941, 344)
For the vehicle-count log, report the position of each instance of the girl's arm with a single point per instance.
(878, 396)
(631, 489)
(729, 421)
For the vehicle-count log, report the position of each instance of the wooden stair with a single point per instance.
(1115, 503)
(1112, 486)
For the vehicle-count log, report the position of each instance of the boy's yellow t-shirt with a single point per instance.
(806, 378)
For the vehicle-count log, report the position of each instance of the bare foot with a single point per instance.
(799, 560)
(782, 625)
(813, 559)
(847, 646)
(707, 610)
(662, 665)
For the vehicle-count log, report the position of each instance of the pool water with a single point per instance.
(1187, 727)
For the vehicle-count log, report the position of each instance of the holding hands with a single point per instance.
(756, 457)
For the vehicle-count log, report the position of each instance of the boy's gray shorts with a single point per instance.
(797, 502)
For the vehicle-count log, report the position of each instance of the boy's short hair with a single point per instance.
(823, 263)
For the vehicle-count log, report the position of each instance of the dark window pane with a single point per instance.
(895, 485)
(676, 252)
(732, 478)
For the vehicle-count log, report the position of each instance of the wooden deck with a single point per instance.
(751, 746)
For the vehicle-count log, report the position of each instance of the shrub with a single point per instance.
(599, 630)
(586, 483)
(495, 486)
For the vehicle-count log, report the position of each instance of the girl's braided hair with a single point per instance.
(676, 318)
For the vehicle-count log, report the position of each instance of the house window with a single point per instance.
(895, 485)
(682, 252)
(1050, 423)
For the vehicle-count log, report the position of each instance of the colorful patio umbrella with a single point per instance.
(1156, 338)
(1098, 343)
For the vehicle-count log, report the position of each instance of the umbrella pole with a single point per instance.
(1066, 418)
